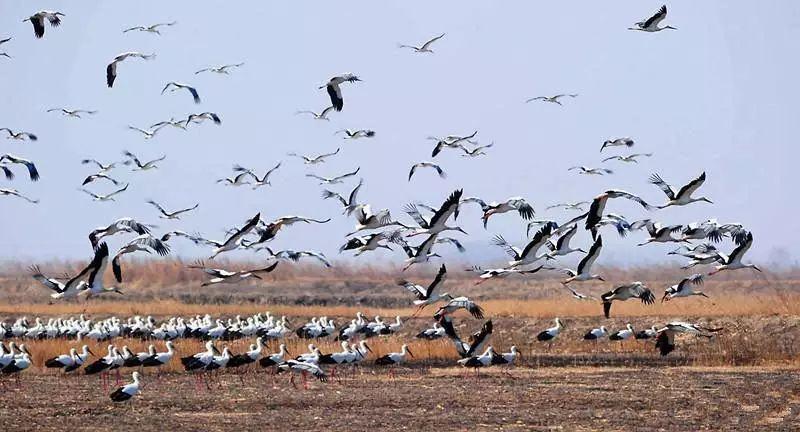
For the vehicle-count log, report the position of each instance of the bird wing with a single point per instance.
(692, 186)
(591, 257)
(156, 205)
(539, 239)
(449, 207)
(656, 18)
(245, 229)
(428, 43)
(350, 174)
(666, 188)
(740, 250)
(437, 281)
(413, 211)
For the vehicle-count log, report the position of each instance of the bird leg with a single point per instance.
(305, 380)
(291, 380)
(118, 377)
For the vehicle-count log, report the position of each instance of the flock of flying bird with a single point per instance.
(374, 229)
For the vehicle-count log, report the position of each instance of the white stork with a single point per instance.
(322, 115)
(617, 142)
(651, 24)
(334, 180)
(424, 48)
(335, 91)
(427, 295)
(624, 292)
(552, 99)
(153, 29)
(584, 271)
(111, 69)
(734, 260)
(684, 288)
(665, 342)
(684, 195)
(222, 70)
(173, 86)
(37, 19)
(313, 160)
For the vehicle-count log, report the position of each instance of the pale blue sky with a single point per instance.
(719, 95)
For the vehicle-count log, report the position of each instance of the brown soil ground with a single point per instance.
(580, 398)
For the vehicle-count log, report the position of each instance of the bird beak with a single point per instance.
(462, 231)
(119, 291)
(410, 353)
(758, 269)
(368, 348)
(89, 351)
(601, 279)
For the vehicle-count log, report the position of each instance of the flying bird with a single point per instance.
(16, 193)
(734, 260)
(624, 292)
(617, 142)
(38, 18)
(175, 215)
(427, 295)
(630, 158)
(132, 159)
(451, 141)
(313, 160)
(584, 271)
(72, 112)
(108, 197)
(222, 70)
(552, 99)
(322, 115)
(356, 134)
(334, 180)
(19, 136)
(111, 69)
(476, 151)
(263, 181)
(684, 195)
(235, 239)
(335, 91)
(425, 48)
(651, 24)
(350, 204)
(665, 341)
(33, 173)
(591, 171)
(201, 117)
(418, 165)
(518, 204)
(100, 175)
(684, 288)
(173, 86)
(151, 28)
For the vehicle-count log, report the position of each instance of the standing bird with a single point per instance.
(111, 69)
(621, 293)
(38, 18)
(684, 288)
(584, 271)
(596, 334)
(127, 391)
(684, 195)
(624, 334)
(425, 48)
(173, 86)
(394, 358)
(617, 142)
(151, 28)
(416, 166)
(173, 215)
(734, 260)
(551, 333)
(651, 24)
(552, 99)
(334, 90)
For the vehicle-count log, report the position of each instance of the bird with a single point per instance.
(201, 117)
(684, 288)
(551, 333)
(249, 357)
(160, 358)
(427, 295)
(235, 239)
(596, 333)
(334, 180)
(424, 48)
(578, 295)
(16, 193)
(578, 206)
(394, 358)
(122, 225)
(451, 141)
(630, 158)
(684, 195)
(132, 159)
(19, 136)
(456, 303)
(313, 160)
(221, 276)
(421, 253)
(143, 243)
(418, 165)
(148, 134)
(734, 260)
(107, 197)
(335, 91)
(274, 359)
(596, 209)
(5, 54)
(173, 215)
(96, 270)
(104, 168)
(651, 24)
(477, 340)
(303, 368)
(486, 274)
(476, 151)
(478, 361)
(37, 20)
(658, 233)
(155, 127)
(322, 115)
(2, 41)
(351, 203)
(297, 255)
(69, 362)
(264, 180)
(99, 175)
(240, 179)
(617, 142)
(61, 290)
(646, 333)
(127, 391)
(621, 335)
(72, 112)
(552, 99)
(173, 86)
(222, 70)
(150, 28)
(111, 69)
(371, 242)
(665, 341)
(584, 271)
(561, 247)
(591, 171)
(624, 292)
(529, 254)
(438, 222)
(367, 220)
(202, 359)
(518, 204)
(356, 134)
(432, 333)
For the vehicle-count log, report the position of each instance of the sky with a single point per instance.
(717, 95)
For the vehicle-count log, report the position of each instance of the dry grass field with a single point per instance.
(745, 378)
